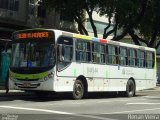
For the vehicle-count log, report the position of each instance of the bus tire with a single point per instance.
(130, 88)
(78, 90)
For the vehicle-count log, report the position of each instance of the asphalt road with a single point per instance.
(98, 106)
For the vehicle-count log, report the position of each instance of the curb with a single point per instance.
(11, 91)
(3, 92)
(158, 84)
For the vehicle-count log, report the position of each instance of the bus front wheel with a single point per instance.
(78, 90)
(130, 88)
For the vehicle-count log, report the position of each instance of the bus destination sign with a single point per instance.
(34, 35)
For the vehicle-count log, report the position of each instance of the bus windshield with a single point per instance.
(33, 55)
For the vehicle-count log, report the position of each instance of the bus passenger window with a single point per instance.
(149, 59)
(123, 56)
(82, 51)
(132, 57)
(112, 57)
(98, 52)
(140, 59)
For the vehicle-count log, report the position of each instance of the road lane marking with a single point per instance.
(103, 101)
(57, 112)
(78, 103)
(121, 112)
(35, 109)
(143, 104)
(157, 96)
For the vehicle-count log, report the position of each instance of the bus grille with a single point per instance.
(28, 79)
(27, 85)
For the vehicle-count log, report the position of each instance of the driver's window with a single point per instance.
(65, 51)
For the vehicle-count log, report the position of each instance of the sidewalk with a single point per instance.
(3, 90)
(12, 93)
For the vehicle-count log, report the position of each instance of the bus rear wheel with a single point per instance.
(78, 90)
(130, 88)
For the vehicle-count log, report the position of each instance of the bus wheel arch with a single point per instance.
(80, 88)
(130, 87)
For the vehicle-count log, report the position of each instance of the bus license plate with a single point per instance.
(26, 85)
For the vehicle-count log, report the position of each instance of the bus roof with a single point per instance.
(94, 39)
(101, 40)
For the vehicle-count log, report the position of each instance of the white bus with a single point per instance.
(54, 60)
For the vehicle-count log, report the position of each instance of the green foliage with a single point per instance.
(138, 18)
(129, 16)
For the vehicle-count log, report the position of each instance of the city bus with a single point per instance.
(49, 60)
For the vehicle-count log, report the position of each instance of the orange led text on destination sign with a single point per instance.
(33, 35)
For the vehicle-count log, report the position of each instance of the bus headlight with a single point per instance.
(46, 78)
(50, 75)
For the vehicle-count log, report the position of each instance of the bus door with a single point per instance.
(64, 56)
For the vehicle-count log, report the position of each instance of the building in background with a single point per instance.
(100, 22)
(25, 14)
(14, 15)
(21, 14)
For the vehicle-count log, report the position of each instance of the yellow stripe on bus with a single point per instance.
(82, 37)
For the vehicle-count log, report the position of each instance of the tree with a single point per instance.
(138, 18)
(76, 10)
(72, 8)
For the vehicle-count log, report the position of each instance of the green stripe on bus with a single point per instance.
(75, 72)
(28, 76)
(155, 65)
(106, 74)
(145, 76)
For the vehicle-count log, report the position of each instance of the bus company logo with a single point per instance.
(92, 70)
(127, 72)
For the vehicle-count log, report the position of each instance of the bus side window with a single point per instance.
(132, 57)
(83, 51)
(112, 57)
(149, 59)
(98, 53)
(140, 58)
(123, 56)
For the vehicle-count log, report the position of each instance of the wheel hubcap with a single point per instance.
(130, 89)
(78, 89)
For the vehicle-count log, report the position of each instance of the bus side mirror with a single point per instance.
(60, 53)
